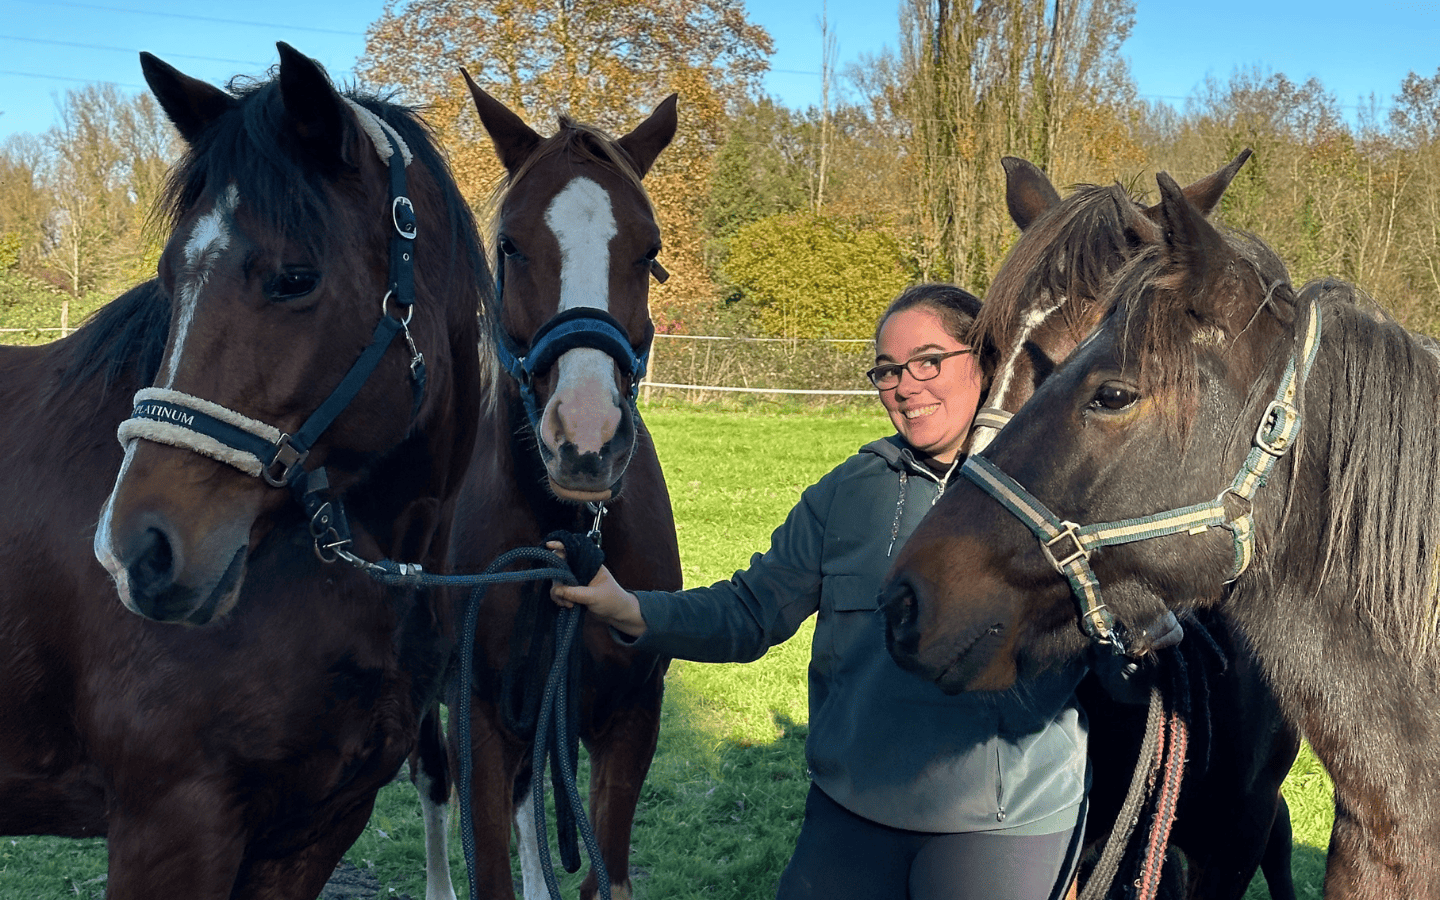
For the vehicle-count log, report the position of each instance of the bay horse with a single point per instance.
(561, 446)
(229, 740)
(1048, 294)
(1302, 427)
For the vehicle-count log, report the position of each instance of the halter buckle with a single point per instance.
(1071, 531)
(402, 213)
(1277, 428)
(287, 458)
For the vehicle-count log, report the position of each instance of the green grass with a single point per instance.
(723, 802)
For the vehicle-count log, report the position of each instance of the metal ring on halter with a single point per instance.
(385, 308)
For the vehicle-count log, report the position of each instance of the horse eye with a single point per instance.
(1114, 397)
(507, 247)
(291, 285)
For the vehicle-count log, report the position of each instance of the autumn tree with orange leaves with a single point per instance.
(604, 62)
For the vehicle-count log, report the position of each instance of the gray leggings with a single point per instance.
(841, 855)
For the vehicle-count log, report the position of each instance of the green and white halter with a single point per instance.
(1068, 546)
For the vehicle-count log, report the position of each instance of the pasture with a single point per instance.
(724, 797)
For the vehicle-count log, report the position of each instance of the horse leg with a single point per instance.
(187, 842)
(495, 760)
(430, 773)
(1276, 862)
(621, 750)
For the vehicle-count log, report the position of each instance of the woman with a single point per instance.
(913, 793)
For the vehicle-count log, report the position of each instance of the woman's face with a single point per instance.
(934, 415)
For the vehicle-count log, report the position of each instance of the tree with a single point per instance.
(108, 156)
(809, 276)
(1042, 80)
(603, 62)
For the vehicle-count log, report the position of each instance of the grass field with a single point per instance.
(723, 802)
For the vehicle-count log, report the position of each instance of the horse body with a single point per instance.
(239, 758)
(1048, 295)
(578, 242)
(1171, 396)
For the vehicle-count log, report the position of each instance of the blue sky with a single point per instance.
(50, 46)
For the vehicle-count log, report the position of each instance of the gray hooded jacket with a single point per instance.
(884, 743)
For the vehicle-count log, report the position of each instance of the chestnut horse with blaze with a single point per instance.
(230, 738)
(562, 446)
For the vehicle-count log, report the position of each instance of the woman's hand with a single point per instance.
(603, 596)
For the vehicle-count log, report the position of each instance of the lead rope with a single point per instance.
(554, 701)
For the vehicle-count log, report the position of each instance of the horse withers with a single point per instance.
(562, 446)
(238, 754)
(1049, 293)
(1212, 385)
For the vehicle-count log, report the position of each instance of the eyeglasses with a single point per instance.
(921, 368)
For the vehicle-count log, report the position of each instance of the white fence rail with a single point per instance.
(719, 365)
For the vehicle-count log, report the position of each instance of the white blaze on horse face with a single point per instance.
(209, 238)
(104, 536)
(583, 223)
(982, 435)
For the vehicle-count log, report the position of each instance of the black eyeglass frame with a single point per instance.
(884, 370)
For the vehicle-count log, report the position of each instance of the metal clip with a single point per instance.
(600, 512)
(417, 359)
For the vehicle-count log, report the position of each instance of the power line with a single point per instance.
(194, 18)
(30, 40)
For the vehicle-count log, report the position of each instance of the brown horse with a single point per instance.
(239, 755)
(1047, 296)
(1211, 382)
(562, 446)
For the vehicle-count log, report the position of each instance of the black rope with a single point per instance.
(554, 717)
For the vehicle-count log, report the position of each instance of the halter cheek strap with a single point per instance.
(1068, 546)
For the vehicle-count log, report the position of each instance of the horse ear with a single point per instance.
(514, 140)
(189, 103)
(312, 105)
(1205, 194)
(1192, 245)
(651, 136)
(1028, 192)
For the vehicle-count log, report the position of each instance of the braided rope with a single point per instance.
(1169, 796)
(1103, 875)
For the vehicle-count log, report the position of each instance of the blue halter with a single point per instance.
(581, 326)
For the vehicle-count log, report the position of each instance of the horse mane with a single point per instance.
(125, 335)
(1154, 306)
(1070, 252)
(1375, 387)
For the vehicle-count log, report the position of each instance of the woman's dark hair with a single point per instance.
(956, 309)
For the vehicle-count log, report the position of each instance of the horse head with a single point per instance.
(578, 242)
(1048, 293)
(973, 599)
(304, 338)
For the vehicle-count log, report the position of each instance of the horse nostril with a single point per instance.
(153, 568)
(898, 601)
